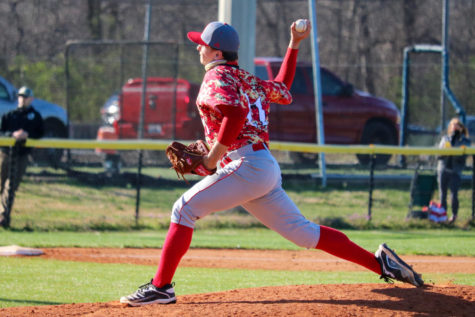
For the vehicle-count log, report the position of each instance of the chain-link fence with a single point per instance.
(361, 43)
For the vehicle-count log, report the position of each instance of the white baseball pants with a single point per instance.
(253, 180)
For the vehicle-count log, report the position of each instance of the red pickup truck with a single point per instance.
(161, 119)
(350, 116)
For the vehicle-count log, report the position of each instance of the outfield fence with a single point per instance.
(369, 176)
(287, 146)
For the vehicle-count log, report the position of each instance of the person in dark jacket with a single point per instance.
(449, 168)
(21, 123)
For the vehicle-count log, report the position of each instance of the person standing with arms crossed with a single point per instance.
(247, 174)
(21, 123)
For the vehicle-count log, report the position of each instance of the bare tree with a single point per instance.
(360, 40)
(94, 18)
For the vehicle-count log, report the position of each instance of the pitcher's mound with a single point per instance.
(299, 300)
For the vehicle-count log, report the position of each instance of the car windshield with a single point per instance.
(3, 92)
(331, 86)
(261, 72)
(303, 81)
(299, 86)
(303, 76)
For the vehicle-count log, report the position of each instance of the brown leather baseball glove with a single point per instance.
(188, 159)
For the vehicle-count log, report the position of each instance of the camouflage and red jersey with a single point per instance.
(229, 86)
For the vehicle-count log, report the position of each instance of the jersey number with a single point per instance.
(256, 115)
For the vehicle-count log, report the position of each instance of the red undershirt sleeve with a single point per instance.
(231, 126)
(287, 69)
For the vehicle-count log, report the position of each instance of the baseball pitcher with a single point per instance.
(241, 171)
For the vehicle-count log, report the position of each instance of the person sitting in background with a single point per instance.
(21, 123)
(450, 167)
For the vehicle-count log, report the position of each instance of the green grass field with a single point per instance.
(423, 242)
(66, 212)
(26, 282)
(68, 204)
(35, 281)
(31, 282)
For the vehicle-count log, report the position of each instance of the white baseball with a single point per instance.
(300, 25)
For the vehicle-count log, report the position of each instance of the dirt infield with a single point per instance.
(301, 300)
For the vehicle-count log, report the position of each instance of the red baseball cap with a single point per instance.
(218, 35)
